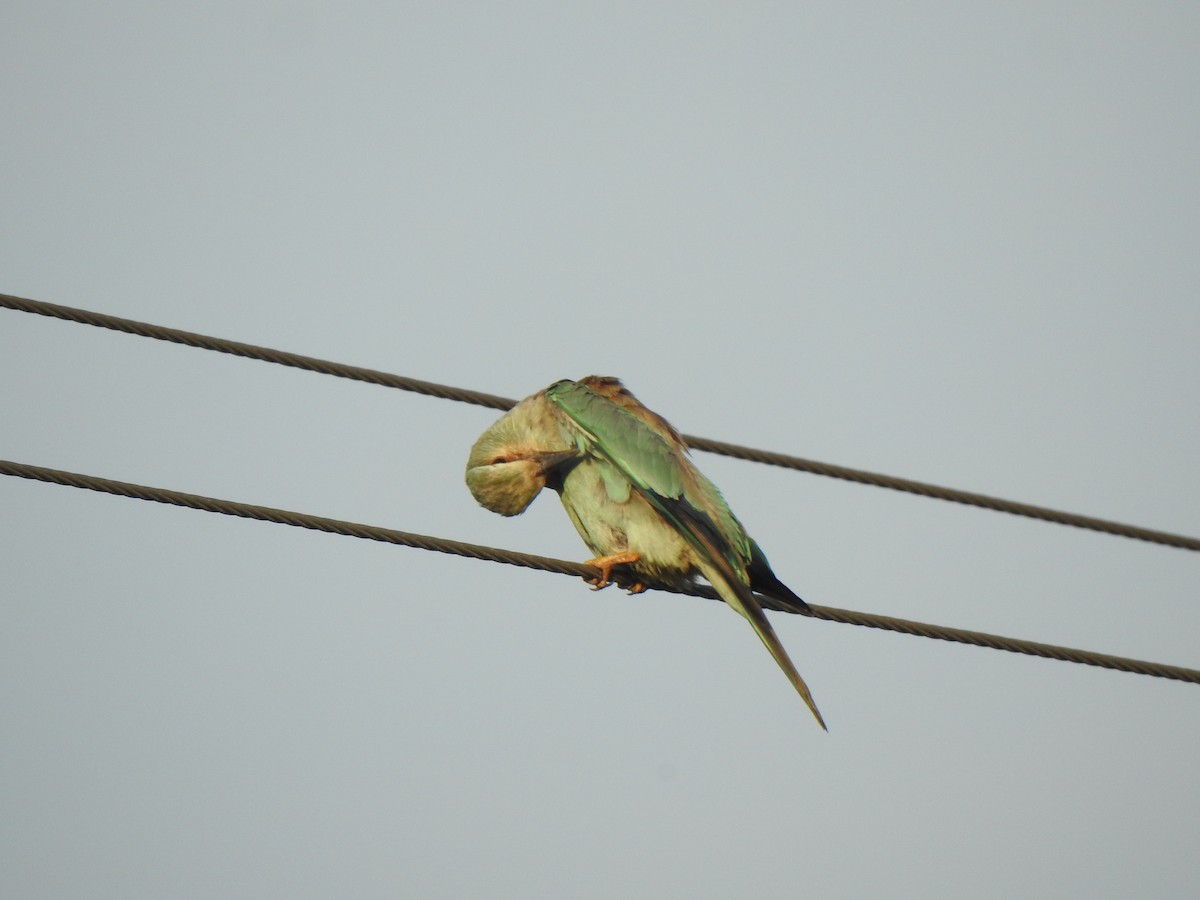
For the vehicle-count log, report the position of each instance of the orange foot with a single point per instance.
(605, 565)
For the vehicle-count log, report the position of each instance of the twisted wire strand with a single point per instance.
(252, 351)
(463, 395)
(952, 495)
(563, 567)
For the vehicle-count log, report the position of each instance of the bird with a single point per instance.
(629, 486)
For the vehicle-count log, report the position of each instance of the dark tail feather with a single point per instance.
(766, 582)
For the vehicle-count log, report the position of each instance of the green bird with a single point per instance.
(633, 493)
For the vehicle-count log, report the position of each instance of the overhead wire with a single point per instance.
(386, 379)
(563, 567)
(252, 351)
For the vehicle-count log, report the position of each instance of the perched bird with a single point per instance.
(633, 493)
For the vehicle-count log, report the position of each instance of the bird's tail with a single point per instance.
(744, 603)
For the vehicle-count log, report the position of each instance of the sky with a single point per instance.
(943, 241)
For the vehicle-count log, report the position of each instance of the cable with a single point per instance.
(250, 351)
(562, 567)
(951, 495)
(374, 376)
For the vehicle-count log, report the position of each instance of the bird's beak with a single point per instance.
(550, 460)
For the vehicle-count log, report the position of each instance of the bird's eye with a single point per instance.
(497, 461)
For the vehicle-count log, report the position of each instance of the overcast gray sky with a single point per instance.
(937, 240)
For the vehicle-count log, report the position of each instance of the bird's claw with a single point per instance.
(605, 565)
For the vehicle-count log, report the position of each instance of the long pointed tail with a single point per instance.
(744, 603)
(767, 635)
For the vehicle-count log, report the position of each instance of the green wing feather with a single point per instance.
(668, 481)
(622, 438)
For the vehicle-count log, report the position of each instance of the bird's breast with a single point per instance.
(615, 521)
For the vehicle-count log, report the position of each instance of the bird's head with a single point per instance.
(512, 460)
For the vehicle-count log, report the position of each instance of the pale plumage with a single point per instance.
(632, 492)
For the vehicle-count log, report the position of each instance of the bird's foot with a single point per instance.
(605, 565)
(637, 588)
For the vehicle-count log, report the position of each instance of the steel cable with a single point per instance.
(563, 567)
(387, 379)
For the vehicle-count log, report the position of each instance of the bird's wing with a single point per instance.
(698, 490)
(650, 464)
(620, 437)
(660, 472)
